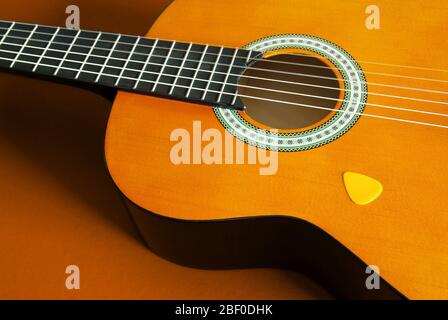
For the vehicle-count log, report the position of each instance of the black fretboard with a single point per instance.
(185, 71)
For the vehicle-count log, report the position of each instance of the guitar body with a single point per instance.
(230, 216)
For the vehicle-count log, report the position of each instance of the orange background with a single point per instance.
(58, 205)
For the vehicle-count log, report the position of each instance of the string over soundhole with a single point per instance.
(296, 78)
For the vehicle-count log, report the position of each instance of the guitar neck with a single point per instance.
(184, 71)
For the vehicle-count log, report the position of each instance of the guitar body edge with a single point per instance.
(269, 241)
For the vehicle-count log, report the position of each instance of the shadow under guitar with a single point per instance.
(271, 241)
(62, 132)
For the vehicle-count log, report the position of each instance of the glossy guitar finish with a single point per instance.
(403, 232)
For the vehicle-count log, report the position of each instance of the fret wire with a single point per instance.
(46, 49)
(235, 96)
(181, 67)
(108, 58)
(88, 55)
(249, 56)
(67, 52)
(163, 66)
(7, 32)
(213, 73)
(23, 46)
(197, 71)
(146, 63)
(127, 60)
(227, 76)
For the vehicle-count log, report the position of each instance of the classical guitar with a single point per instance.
(297, 135)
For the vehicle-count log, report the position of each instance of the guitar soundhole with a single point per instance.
(300, 79)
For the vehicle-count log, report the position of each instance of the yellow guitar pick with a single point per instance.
(361, 188)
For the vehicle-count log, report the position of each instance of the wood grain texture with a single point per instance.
(403, 231)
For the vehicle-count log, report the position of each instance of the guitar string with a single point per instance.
(250, 87)
(257, 59)
(294, 54)
(245, 76)
(268, 79)
(257, 98)
(336, 69)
